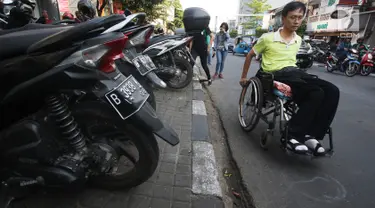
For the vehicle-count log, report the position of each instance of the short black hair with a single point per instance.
(225, 25)
(292, 6)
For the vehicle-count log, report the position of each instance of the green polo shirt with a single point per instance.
(276, 52)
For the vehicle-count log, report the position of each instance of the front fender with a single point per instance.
(147, 118)
(354, 62)
(368, 64)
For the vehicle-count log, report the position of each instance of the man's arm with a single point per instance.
(211, 41)
(246, 66)
(191, 45)
(258, 48)
(216, 41)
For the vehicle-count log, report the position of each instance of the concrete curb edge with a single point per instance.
(205, 179)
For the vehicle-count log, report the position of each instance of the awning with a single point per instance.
(327, 34)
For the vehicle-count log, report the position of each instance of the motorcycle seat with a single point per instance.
(162, 38)
(17, 42)
(31, 26)
(79, 32)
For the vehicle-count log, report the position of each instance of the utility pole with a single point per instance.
(110, 4)
(215, 24)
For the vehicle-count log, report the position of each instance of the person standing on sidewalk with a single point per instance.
(210, 39)
(221, 48)
(198, 47)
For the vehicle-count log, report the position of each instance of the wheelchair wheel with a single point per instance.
(250, 104)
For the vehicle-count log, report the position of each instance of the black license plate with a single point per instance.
(128, 97)
(144, 64)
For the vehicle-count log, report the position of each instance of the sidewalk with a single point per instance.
(184, 178)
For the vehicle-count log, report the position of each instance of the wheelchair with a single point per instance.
(265, 99)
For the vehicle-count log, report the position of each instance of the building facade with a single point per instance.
(243, 9)
(333, 19)
(232, 24)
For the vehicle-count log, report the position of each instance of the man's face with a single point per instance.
(293, 20)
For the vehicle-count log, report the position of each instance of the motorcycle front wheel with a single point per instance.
(329, 66)
(183, 76)
(351, 69)
(137, 149)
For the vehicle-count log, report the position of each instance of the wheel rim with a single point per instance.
(248, 105)
(127, 152)
(180, 76)
(352, 69)
(366, 70)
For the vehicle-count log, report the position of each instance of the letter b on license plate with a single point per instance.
(128, 97)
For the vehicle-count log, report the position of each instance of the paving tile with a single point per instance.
(182, 180)
(163, 192)
(181, 194)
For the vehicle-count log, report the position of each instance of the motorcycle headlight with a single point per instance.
(370, 56)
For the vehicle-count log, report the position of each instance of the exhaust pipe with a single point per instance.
(156, 80)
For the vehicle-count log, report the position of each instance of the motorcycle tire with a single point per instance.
(366, 70)
(329, 67)
(310, 64)
(350, 72)
(90, 116)
(185, 66)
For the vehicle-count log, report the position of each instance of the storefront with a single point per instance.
(331, 19)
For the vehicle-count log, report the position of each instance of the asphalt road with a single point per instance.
(276, 179)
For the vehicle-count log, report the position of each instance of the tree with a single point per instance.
(153, 9)
(259, 32)
(178, 14)
(302, 29)
(257, 7)
(233, 33)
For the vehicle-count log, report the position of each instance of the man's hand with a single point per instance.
(243, 82)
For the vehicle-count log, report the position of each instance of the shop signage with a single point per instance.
(331, 2)
(342, 19)
(322, 26)
(63, 6)
(346, 35)
(349, 2)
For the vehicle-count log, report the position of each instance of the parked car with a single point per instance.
(230, 45)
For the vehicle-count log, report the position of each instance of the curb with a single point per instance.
(205, 179)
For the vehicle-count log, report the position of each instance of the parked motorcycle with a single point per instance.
(350, 66)
(318, 54)
(17, 13)
(304, 59)
(367, 64)
(172, 60)
(134, 63)
(69, 116)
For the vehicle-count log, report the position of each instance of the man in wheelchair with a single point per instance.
(317, 99)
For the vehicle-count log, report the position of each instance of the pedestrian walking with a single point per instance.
(221, 49)
(210, 39)
(199, 47)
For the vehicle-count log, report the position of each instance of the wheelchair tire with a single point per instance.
(257, 96)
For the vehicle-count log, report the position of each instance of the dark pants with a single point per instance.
(203, 54)
(317, 101)
(341, 56)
